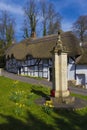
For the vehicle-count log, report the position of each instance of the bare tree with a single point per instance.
(54, 19)
(44, 14)
(80, 27)
(31, 16)
(26, 29)
(7, 31)
(51, 18)
(41, 16)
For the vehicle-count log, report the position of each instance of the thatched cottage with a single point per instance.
(33, 57)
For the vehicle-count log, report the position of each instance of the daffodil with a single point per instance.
(49, 103)
(20, 105)
(17, 104)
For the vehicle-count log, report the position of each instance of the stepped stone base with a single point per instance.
(65, 100)
(69, 103)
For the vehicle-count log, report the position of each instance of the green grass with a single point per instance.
(18, 110)
(79, 96)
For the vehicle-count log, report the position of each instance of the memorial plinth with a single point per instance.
(60, 86)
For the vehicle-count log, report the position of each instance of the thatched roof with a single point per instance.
(82, 59)
(18, 51)
(42, 47)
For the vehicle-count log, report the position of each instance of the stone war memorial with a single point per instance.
(59, 53)
(60, 94)
(60, 90)
(60, 97)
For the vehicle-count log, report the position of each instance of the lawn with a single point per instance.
(18, 110)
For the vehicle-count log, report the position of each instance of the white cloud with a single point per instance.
(67, 25)
(11, 8)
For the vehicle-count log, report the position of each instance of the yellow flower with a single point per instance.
(16, 82)
(17, 104)
(20, 105)
(23, 105)
(46, 104)
(50, 105)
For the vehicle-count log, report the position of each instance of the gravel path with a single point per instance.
(26, 79)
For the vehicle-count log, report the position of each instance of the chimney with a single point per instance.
(33, 35)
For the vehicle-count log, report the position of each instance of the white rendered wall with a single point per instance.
(82, 69)
(71, 70)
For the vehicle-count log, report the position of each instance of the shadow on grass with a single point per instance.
(39, 93)
(32, 123)
(71, 120)
(65, 120)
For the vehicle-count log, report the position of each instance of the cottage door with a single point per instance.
(50, 69)
(19, 69)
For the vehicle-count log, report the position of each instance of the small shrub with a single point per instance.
(48, 106)
(47, 109)
(15, 97)
(19, 109)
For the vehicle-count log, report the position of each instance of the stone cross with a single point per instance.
(59, 53)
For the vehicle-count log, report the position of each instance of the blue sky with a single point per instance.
(70, 10)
